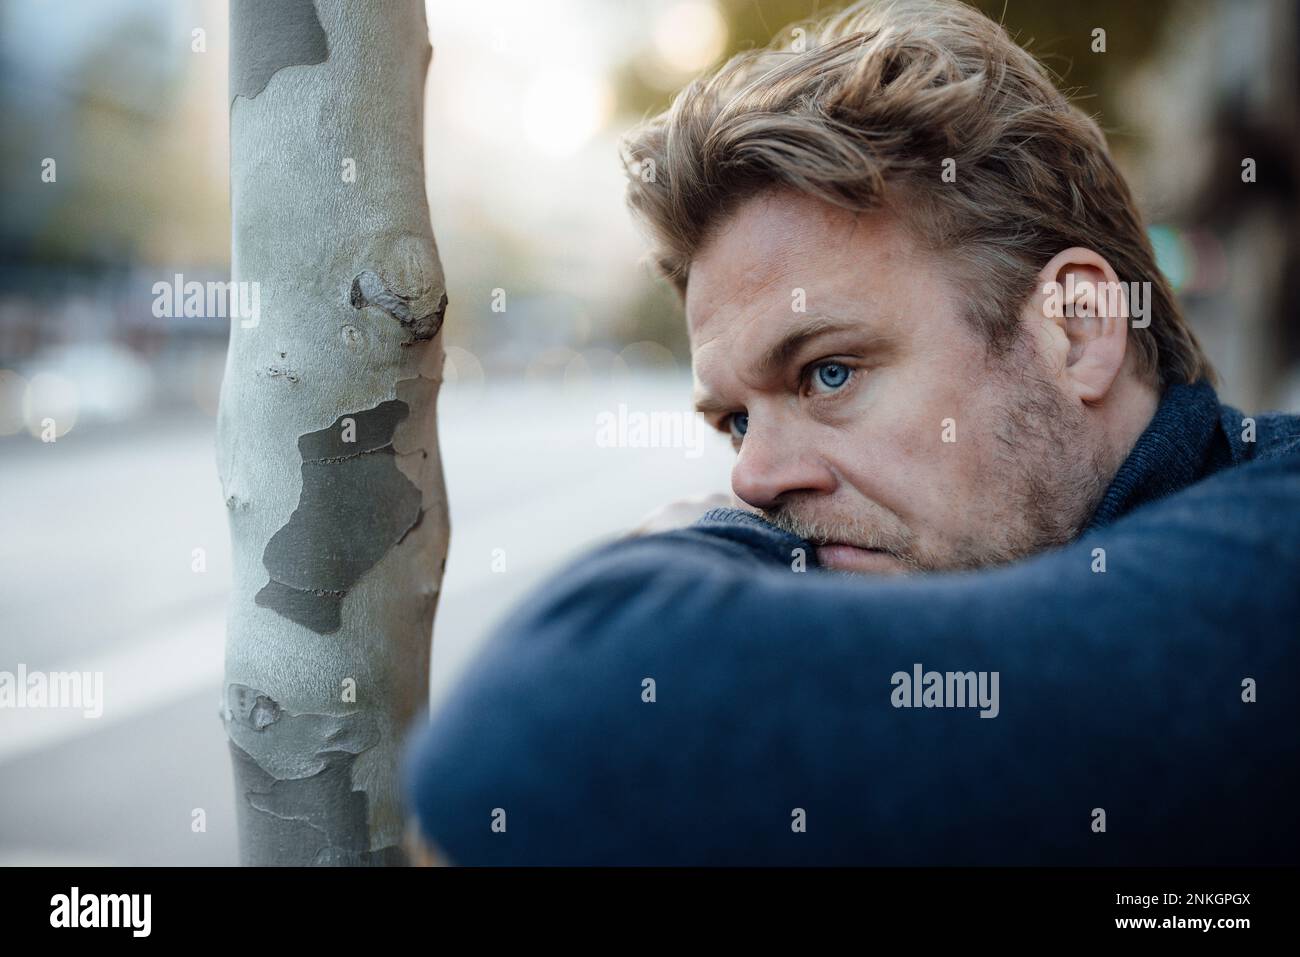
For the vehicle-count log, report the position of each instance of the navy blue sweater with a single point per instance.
(1145, 714)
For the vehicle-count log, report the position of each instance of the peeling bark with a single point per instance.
(327, 441)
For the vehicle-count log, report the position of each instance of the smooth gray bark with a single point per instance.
(327, 441)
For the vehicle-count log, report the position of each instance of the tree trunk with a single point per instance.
(327, 441)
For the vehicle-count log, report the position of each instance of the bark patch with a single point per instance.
(354, 506)
(298, 806)
(268, 35)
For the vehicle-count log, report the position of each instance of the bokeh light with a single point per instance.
(462, 371)
(564, 109)
(645, 357)
(688, 36)
(50, 399)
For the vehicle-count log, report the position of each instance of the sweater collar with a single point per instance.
(1182, 444)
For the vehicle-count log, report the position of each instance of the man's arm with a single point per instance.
(772, 700)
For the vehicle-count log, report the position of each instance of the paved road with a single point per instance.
(98, 537)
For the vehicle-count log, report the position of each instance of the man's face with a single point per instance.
(867, 414)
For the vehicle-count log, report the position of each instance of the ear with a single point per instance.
(1079, 315)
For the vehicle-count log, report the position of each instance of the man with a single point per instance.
(922, 302)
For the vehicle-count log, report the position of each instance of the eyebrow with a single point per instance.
(779, 355)
(707, 405)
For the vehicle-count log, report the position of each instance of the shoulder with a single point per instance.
(1264, 435)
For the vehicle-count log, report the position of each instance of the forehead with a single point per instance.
(782, 255)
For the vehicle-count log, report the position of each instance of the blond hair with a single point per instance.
(861, 110)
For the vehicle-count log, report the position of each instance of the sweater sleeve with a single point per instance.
(694, 697)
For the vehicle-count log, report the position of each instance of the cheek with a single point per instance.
(919, 454)
(892, 455)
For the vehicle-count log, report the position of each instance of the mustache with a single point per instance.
(881, 531)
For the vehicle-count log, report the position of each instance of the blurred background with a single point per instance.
(101, 528)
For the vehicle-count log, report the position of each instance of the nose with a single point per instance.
(773, 463)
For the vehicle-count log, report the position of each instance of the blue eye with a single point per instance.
(831, 375)
(739, 423)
